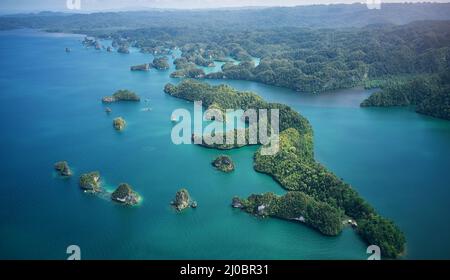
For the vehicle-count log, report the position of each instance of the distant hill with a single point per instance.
(317, 16)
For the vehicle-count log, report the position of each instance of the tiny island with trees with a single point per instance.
(123, 194)
(223, 163)
(126, 195)
(90, 182)
(122, 95)
(183, 200)
(119, 123)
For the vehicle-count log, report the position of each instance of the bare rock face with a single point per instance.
(119, 123)
(108, 99)
(194, 204)
(236, 202)
(182, 200)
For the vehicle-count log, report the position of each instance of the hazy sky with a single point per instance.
(99, 5)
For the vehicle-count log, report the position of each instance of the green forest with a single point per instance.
(318, 60)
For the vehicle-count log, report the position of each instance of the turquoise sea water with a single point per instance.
(50, 110)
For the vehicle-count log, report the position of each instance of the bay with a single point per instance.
(51, 110)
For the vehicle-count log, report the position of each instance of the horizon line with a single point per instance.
(246, 7)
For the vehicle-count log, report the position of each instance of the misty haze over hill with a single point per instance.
(21, 6)
(318, 16)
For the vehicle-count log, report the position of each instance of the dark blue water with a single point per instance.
(50, 110)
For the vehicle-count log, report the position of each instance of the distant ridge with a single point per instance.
(317, 16)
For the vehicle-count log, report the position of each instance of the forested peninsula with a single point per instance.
(315, 196)
(429, 94)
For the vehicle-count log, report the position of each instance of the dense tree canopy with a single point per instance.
(315, 195)
(316, 60)
(430, 95)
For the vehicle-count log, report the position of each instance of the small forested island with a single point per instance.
(141, 67)
(315, 197)
(63, 168)
(223, 163)
(186, 69)
(90, 181)
(89, 41)
(119, 123)
(161, 63)
(125, 194)
(123, 49)
(122, 95)
(182, 200)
